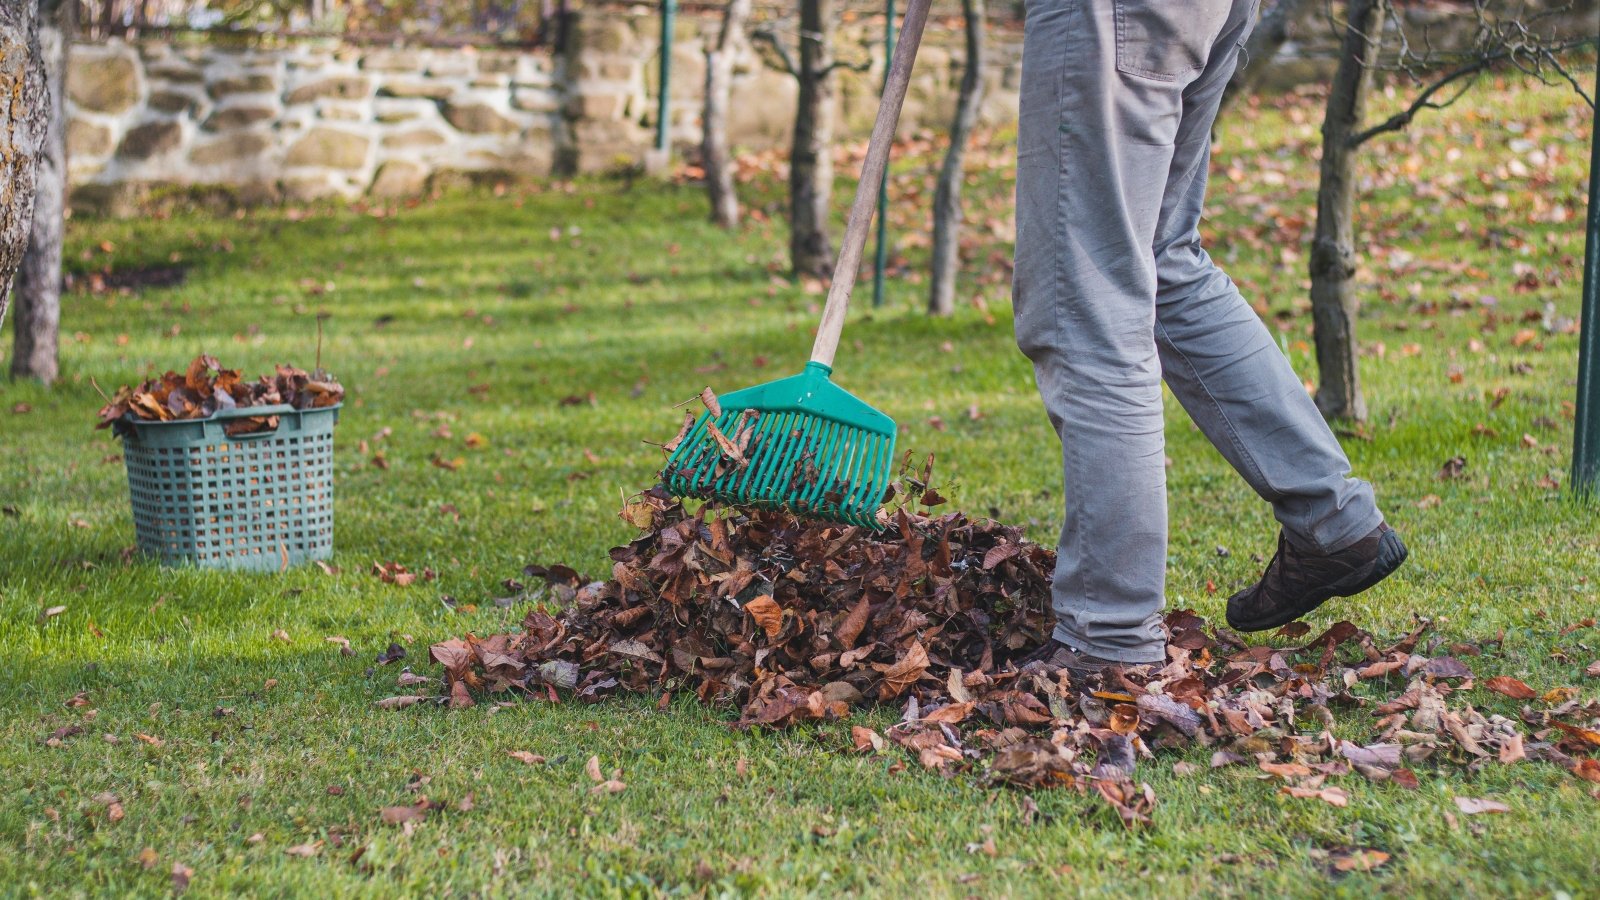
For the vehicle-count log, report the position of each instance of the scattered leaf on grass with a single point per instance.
(399, 702)
(1359, 859)
(400, 815)
(1474, 806)
(1511, 687)
(305, 851)
(1332, 796)
(524, 756)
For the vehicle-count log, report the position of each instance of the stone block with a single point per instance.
(618, 69)
(104, 79)
(329, 148)
(238, 116)
(597, 105)
(338, 87)
(243, 83)
(479, 118)
(313, 186)
(392, 109)
(240, 146)
(342, 112)
(451, 64)
(173, 70)
(413, 139)
(399, 178)
(392, 61)
(498, 62)
(443, 180)
(151, 139)
(175, 102)
(536, 100)
(432, 90)
(606, 35)
(87, 139)
(529, 161)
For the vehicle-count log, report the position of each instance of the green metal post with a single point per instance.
(669, 11)
(1586, 428)
(881, 255)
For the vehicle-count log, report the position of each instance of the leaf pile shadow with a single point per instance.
(793, 621)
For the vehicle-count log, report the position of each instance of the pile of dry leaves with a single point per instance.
(206, 388)
(793, 621)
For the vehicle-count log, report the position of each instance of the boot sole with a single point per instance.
(1391, 553)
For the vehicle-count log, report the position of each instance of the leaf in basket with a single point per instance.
(250, 425)
(146, 406)
(198, 378)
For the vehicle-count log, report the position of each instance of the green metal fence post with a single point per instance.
(881, 254)
(1586, 427)
(669, 12)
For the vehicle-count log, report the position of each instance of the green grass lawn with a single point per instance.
(481, 314)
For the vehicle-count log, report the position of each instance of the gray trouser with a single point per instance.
(1113, 292)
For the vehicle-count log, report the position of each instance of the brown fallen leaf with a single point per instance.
(1286, 771)
(305, 851)
(524, 756)
(709, 398)
(181, 876)
(400, 815)
(1474, 806)
(767, 614)
(1332, 796)
(1359, 859)
(400, 702)
(866, 740)
(1511, 687)
(683, 432)
(113, 805)
(148, 858)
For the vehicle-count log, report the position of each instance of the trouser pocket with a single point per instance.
(1167, 40)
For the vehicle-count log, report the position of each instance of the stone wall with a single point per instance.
(309, 119)
(305, 120)
(278, 119)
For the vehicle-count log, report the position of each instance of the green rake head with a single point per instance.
(801, 443)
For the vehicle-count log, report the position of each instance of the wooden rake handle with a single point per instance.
(872, 174)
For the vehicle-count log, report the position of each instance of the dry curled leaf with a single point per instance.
(1511, 687)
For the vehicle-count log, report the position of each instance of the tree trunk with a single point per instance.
(24, 117)
(1333, 258)
(714, 147)
(38, 296)
(947, 196)
(1269, 36)
(810, 156)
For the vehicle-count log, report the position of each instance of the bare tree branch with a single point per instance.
(1509, 41)
(1423, 101)
(770, 38)
(850, 66)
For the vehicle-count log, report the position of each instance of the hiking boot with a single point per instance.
(1054, 655)
(1298, 581)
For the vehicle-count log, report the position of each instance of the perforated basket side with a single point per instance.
(252, 502)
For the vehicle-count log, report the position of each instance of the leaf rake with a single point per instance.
(803, 443)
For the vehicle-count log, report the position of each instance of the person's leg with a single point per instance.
(1222, 364)
(1102, 101)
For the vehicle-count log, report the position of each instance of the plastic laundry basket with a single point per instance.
(256, 502)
